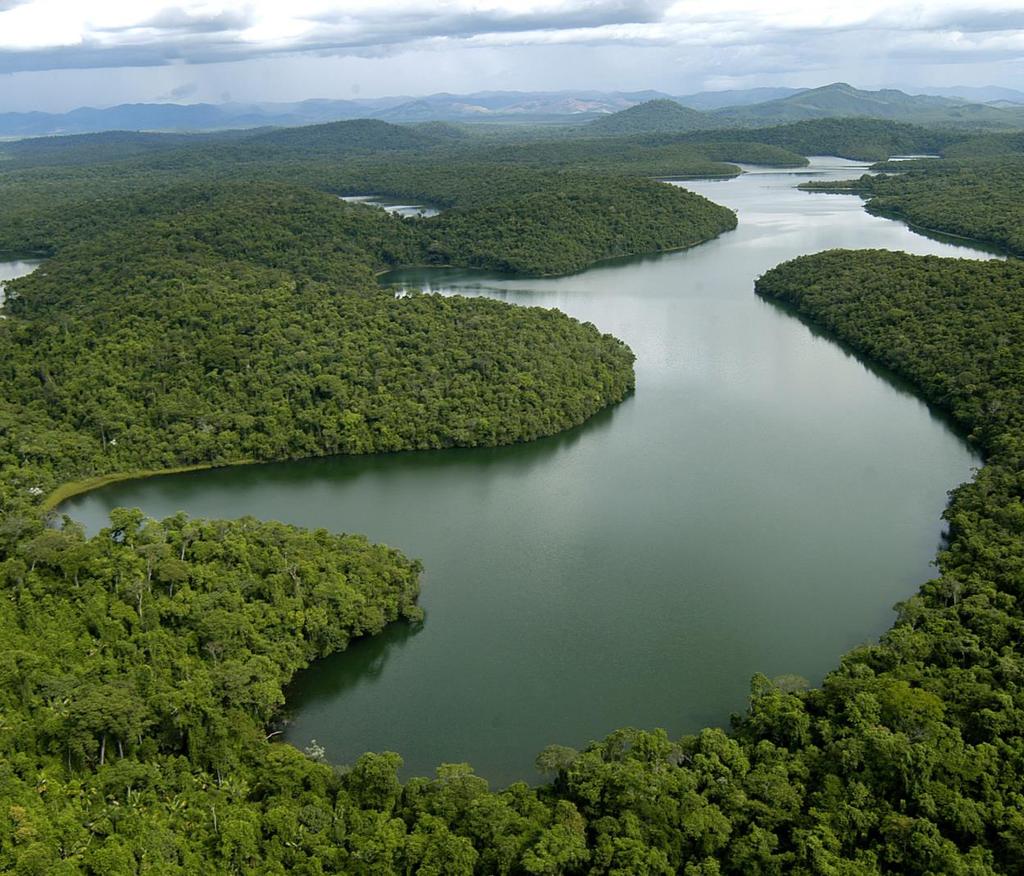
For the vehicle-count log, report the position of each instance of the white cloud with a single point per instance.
(55, 33)
(413, 46)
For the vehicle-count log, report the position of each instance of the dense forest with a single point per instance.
(857, 139)
(214, 306)
(562, 222)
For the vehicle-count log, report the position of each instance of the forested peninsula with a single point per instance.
(211, 306)
(248, 325)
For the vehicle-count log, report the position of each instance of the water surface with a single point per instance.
(390, 205)
(12, 270)
(759, 504)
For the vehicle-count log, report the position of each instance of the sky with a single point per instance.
(59, 54)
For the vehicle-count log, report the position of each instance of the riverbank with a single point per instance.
(70, 489)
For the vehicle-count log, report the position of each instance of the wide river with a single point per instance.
(758, 505)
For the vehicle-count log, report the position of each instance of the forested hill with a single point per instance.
(562, 221)
(838, 101)
(339, 138)
(654, 116)
(841, 100)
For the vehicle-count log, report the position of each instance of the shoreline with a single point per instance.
(512, 275)
(70, 489)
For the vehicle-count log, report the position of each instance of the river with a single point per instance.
(758, 504)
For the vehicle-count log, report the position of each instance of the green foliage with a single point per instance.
(609, 217)
(987, 146)
(563, 220)
(368, 136)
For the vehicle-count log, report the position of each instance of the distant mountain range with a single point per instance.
(991, 94)
(842, 100)
(503, 106)
(838, 100)
(984, 107)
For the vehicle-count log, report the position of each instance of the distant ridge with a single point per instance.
(991, 94)
(654, 111)
(841, 100)
(496, 106)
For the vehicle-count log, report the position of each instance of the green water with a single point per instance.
(758, 505)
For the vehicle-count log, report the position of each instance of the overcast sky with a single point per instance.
(58, 54)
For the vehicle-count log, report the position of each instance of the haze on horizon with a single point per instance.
(60, 54)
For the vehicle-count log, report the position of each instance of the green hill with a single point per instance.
(357, 135)
(654, 116)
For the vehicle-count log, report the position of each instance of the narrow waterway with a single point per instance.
(759, 504)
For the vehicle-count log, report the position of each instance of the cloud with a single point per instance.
(173, 22)
(193, 34)
(576, 38)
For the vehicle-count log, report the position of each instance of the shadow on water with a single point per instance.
(966, 243)
(360, 664)
(901, 385)
(459, 279)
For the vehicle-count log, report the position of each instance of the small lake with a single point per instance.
(14, 269)
(392, 206)
(758, 505)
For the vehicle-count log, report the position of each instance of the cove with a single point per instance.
(758, 505)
